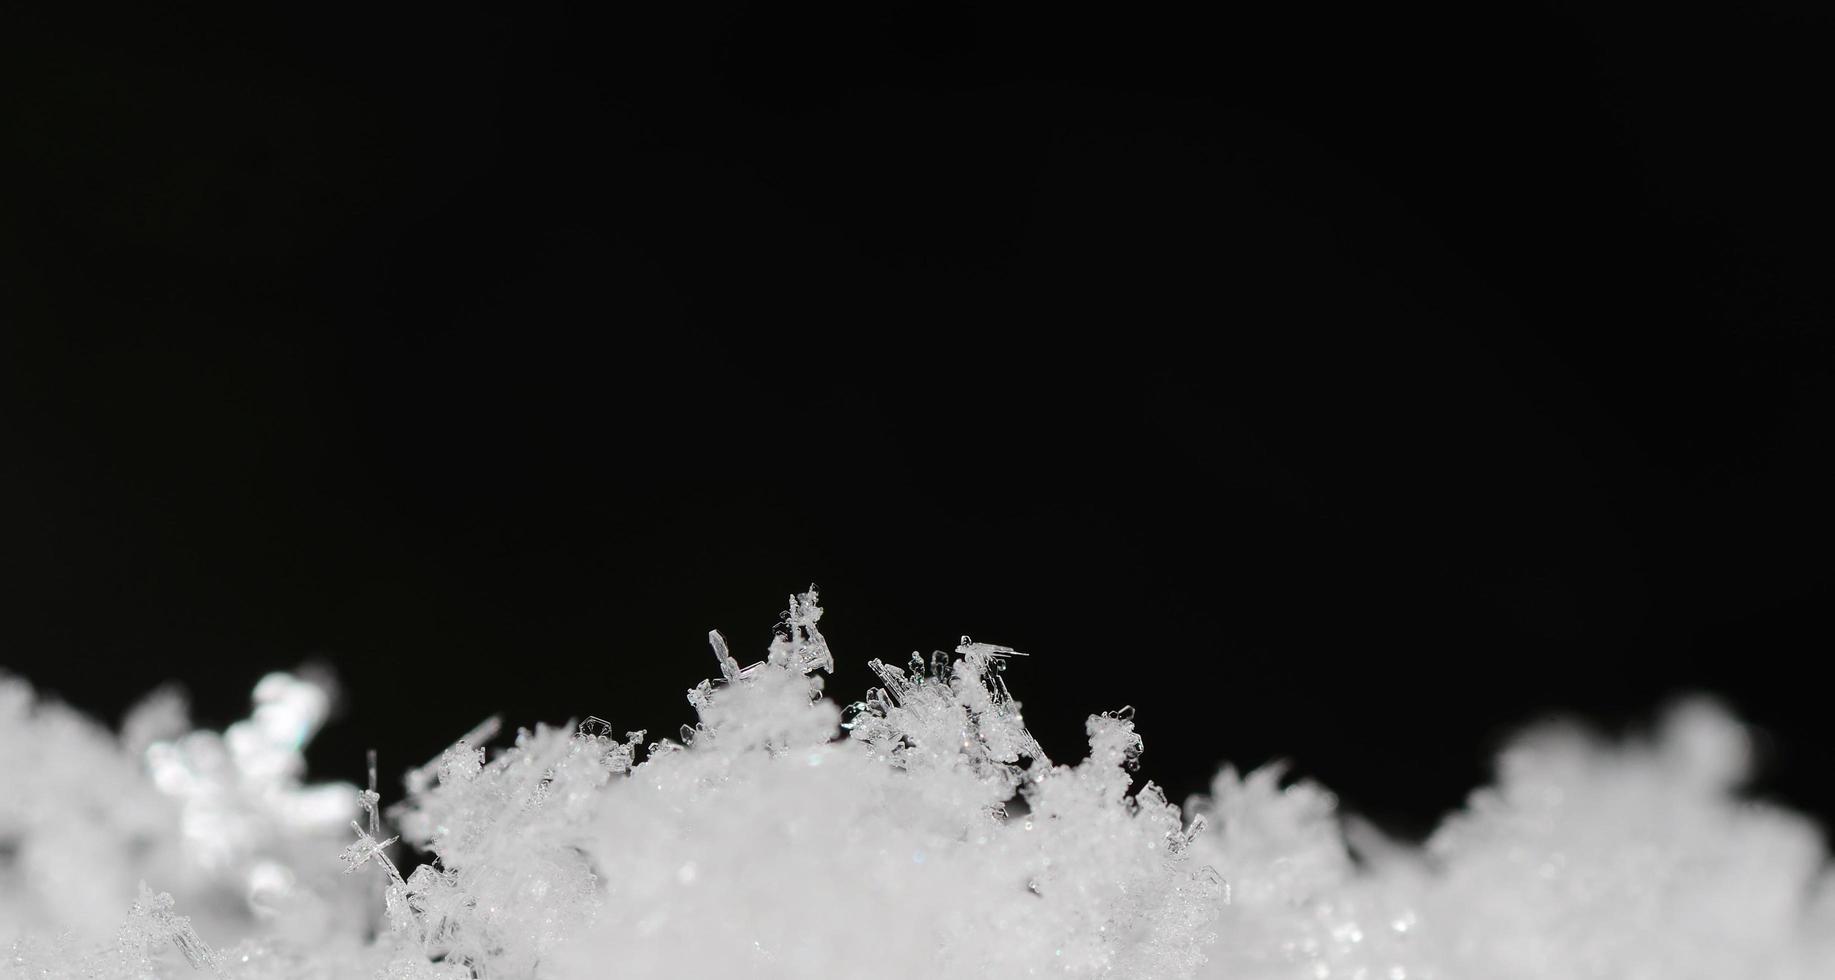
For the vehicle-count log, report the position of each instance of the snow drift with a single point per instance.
(919, 833)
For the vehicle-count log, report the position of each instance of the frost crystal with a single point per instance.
(922, 832)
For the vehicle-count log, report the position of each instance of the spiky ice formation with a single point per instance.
(920, 832)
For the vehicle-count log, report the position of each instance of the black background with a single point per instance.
(1351, 385)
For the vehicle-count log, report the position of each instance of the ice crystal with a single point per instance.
(919, 832)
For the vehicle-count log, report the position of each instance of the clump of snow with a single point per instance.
(919, 832)
(788, 852)
(223, 821)
(1587, 859)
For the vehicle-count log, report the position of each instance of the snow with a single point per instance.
(920, 832)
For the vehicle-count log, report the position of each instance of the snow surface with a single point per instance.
(919, 833)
